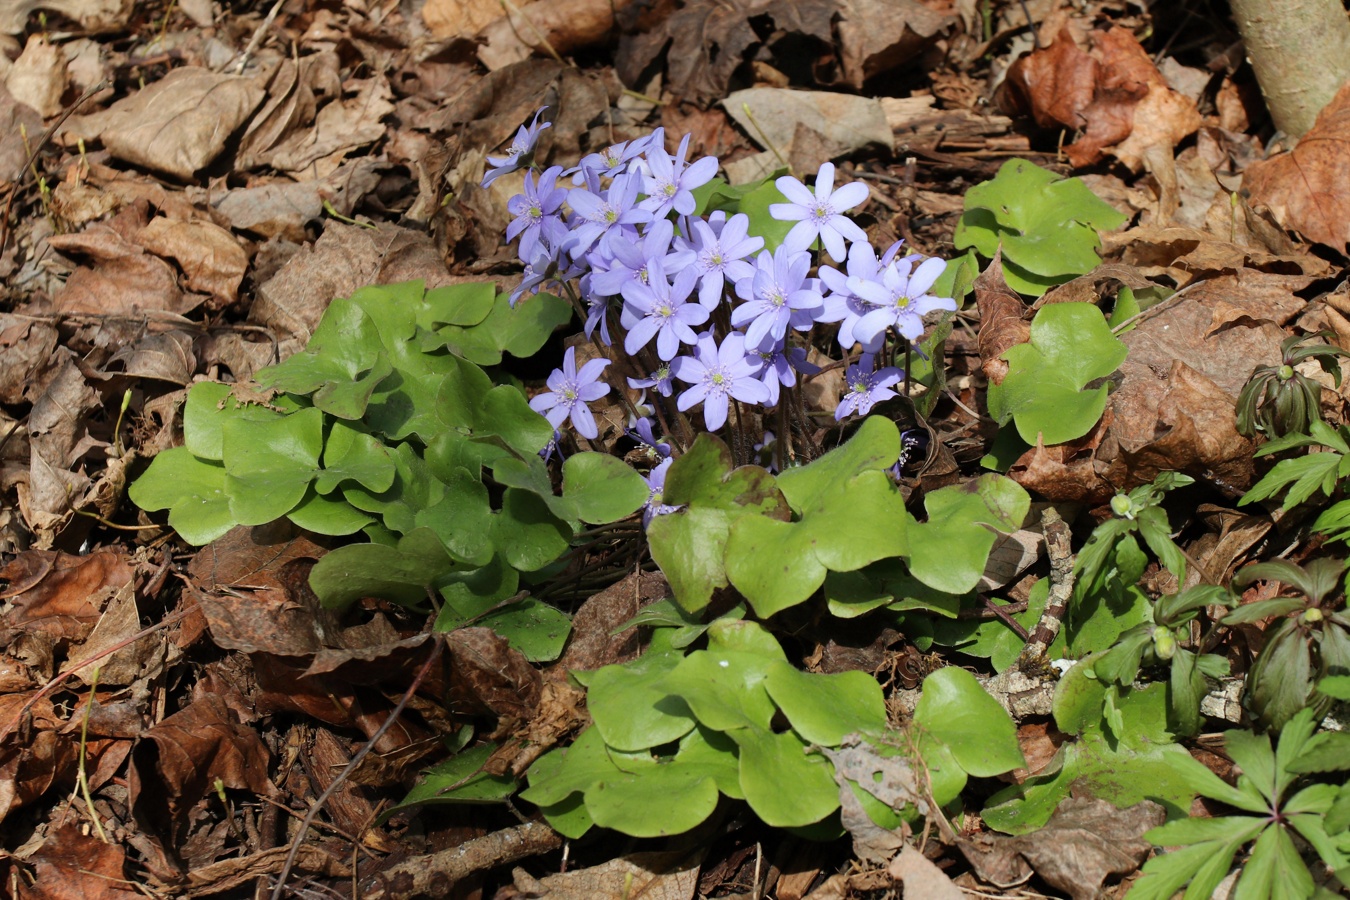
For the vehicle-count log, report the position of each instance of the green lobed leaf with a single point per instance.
(785, 785)
(353, 455)
(957, 710)
(403, 574)
(631, 708)
(459, 779)
(520, 331)
(323, 515)
(527, 533)
(270, 464)
(602, 488)
(886, 583)
(1047, 225)
(1044, 391)
(755, 204)
(825, 708)
(690, 545)
(192, 489)
(538, 631)
(210, 405)
(949, 552)
(341, 366)
(456, 304)
(850, 514)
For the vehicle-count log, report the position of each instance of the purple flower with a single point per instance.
(541, 270)
(866, 387)
(779, 367)
(570, 391)
(597, 309)
(521, 151)
(842, 304)
(900, 299)
(776, 291)
(656, 486)
(630, 258)
(659, 381)
(608, 162)
(670, 182)
(665, 314)
(821, 215)
(718, 374)
(600, 217)
(721, 255)
(536, 212)
(643, 434)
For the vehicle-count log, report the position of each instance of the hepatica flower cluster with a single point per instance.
(705, 316)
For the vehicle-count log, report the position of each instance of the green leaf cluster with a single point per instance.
(776, 540)
(1046, 225)
(1045, 391)
(386, 424)
(674, 732)
(1300, 477)
(1276, 801)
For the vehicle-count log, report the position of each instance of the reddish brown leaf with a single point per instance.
(71, 863)
(1001, 319)
(62, 594)
(1306, 188)
(488, 676)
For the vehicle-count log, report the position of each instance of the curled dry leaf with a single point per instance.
(876, 36)
(563, 25)
(94, 16)
(15, 119)
(176, 125)
(652, 876)
(211, 259)
(1306, 188)
(71, 863)
(1113, 93)
(60, 594)
(38, 76)
(1001, 319)
(1086, 841)
(281, 208)
(59, 437)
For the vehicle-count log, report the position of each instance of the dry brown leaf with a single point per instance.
(176, 125)
(1001, 319)
(775, 118)
(16, 119)
(163, 357)
(345, 257)
(60, 594)
(38, 76)
(921, 876)
(25, 347)
(71, 863)
(1188, 254)
(282, 208)
(876, 36)
(294, 90)
(339, 127)
(178, 761)
(59, 436)
(462, 18)
(93, 15)
(1086, 841)
(563, 25)
(594, 643)
(651, 876)
(488, 675)
(28, 767)
(211, 259)
(1306, 188)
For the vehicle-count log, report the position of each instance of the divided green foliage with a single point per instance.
(380, 427)
(1044, 392)
(1046, 225)
(1278, 802)
(672, 731)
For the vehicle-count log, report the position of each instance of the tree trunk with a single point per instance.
(1300, 50)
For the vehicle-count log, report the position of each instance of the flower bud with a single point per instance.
(1164, 643)
(1121, 506)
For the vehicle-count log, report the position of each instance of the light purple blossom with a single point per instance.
(669, 183)
(608, 162)
(521, 151)
(600, 217)
(643, 434)
(820, 215)
(597, 313)
(659, 381)
(570, 391)
(900, 298)
(718, 375)
(844, 306)
(773, 294)
(629, 258)
(780, 367)
(541, 270)
(656, 486)
(665, 313)
(866, 387)
(537, 213)
(721, 255)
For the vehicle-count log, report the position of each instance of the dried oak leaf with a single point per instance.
(1001, 319)
(71, 863)
(1109, 93)
(177, 762)
(177, 125)
(60, 594)
(876, 36)
(1306, 188)
(487, 675)
(1086, 841)
(210, 257)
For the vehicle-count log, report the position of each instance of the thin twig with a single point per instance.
(351, 767)
(1032, 658)
(257, 39)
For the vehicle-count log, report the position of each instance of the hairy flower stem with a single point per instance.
(624, 363)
